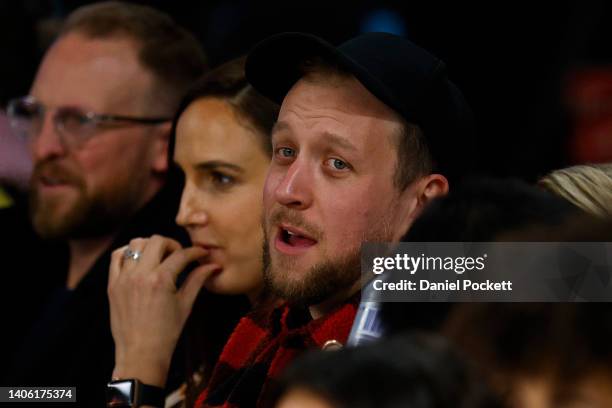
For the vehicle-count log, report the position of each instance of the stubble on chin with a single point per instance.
(311, 285)
(57, 217)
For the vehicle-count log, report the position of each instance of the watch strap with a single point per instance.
(130, 392)
(150, 395)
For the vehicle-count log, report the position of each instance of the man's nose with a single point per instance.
(45, 141)
(295, 188)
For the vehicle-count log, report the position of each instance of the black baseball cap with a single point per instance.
(399, 73)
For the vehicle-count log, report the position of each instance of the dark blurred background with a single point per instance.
(539, 78)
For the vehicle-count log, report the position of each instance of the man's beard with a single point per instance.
(86, 215)
(323, 280)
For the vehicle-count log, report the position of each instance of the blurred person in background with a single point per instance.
(416, 371)
(481, 208)
(534, 355)
(588, 187)
(15, 164)
(97, 121)
(222, 145)
(539, 355)
(478, 210)
(16, 73)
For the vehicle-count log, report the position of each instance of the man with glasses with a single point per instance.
(97, 122)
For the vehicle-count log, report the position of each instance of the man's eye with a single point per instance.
(285, 152)
(73, 120)
(221, 179)
(337, 164)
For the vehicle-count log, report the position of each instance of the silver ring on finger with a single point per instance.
(132, 255)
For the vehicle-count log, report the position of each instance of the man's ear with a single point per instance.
(432, 186)
(417, 196)
(160, 147)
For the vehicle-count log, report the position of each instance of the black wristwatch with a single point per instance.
(132, 393)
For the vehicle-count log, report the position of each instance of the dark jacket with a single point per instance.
(68, 341)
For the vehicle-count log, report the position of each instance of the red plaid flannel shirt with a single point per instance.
(262, 345)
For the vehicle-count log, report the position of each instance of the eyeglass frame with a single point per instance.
(93, 118)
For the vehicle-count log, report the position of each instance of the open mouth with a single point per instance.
(291, 240)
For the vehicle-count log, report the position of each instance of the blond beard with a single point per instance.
(87, 216)
(324, 279)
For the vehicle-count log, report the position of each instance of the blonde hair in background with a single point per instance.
(588, 187)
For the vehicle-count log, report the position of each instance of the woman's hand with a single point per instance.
(147, 311)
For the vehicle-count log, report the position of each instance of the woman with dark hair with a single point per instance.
(222, 145)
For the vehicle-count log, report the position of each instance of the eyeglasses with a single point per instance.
(26, 117)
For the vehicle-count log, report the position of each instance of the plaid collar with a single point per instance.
(263, 344)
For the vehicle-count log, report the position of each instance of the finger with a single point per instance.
(136, 245)
(178, 261)
(158, 248)
(116, 264)
(194, 282)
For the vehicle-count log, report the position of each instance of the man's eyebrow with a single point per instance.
(279, 126)
(329, 136)
(216, 164)
(338, 140)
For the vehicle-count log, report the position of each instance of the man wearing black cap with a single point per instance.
(368, 133)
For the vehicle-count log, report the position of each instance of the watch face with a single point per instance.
(120, 393)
